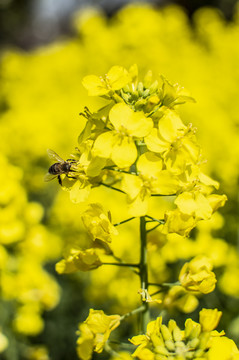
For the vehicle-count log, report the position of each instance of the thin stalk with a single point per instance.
(153, 228)
(120, 171)
(113, 188)
(121, 264)
(143, 272)
(161, 221)
(163, 195)
(124, 221)
(140, 309)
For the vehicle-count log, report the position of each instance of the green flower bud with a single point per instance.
(166, 333)
(125, 96)
(179, 344)
(140, 104)
(140, 88)
(153, 87)
(199, 353)
(177, 335)
(170, 345)
(192, 344)
(145, 93)
(161, 350)
(195, 332)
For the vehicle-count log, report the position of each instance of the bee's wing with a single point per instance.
(53, 155)
(49, 177)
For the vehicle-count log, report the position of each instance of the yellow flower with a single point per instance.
(197, 275)
(195, 204)
(94, 333)
(152, 179)
(118, 144)
(174, 141)
(116, 79)
(98, 223)
(79, 260)
(177, 222)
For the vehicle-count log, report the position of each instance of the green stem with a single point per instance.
(143, 272)
(153, 228)
(140, 309)
(124, 221)
(121, 264)
(113, 188)
(152, 219)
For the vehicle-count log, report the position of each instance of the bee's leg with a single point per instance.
(71, 160)
(71, 177)
(59, 179)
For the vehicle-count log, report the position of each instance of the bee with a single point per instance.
(59, 168)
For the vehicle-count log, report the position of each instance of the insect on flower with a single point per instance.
(59, 168)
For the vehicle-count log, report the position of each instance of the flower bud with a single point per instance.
(161, 350)
(153, 87)
(170, 345)
(166, 333)
(140, 88)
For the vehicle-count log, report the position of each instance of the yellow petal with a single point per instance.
(118, 77)
(165, 184)
(149, 164)
(131, 184)
(103, 145)
(95, 85)
(155, 143)
(125, 153)
(170, 126)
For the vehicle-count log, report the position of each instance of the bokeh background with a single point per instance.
(47, 47)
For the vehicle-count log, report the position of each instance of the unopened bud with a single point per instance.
(179, 344)
(161, 350)
(177, 334)
(199, 353)
(170, 345)
(195, 332)
(192, 344)
(140, 104)
(140, 88)
(166, 333)
(145, 93)
(153, 87)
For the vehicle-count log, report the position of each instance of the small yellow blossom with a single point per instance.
(174, 141)
(98, 223)
(94, 333)
(197, 275)
(79, 261)
(118, 144)
(152, 179)
(116, 79)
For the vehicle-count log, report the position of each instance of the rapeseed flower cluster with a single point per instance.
(124, 127)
